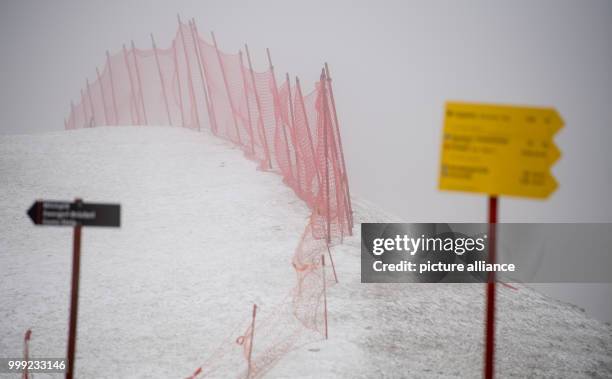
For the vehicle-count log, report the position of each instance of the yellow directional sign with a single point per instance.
(499, 150)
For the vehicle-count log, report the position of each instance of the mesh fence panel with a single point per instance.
(192, 84)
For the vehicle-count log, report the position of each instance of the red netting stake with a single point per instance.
(276, 102)
(213, 125)
(337, 126)
(144, 109)
(84, 108)
(246, 98)
(197, 372)
(229, 95)
(93, 113)
(178, 82)
(161, 80)
(103, 97)
(26, 352)
(132, 95)
(189, 81)
(324, 293)
(72, 115)
(252, 338)
(489, 370)
(262, 130)
(507, 285)
(294, 135)
(110, 73)
(327, 197)
(337, 171)
(331, 260)
(300, 96)
(341, 193)
(194, 37)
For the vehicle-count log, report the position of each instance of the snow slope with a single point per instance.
(204, 236)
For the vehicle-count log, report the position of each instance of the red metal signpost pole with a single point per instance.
(74, 297)
(490, 315)
(77, 215)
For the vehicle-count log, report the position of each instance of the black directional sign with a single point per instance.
(66, 213)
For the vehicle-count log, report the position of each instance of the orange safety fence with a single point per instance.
(193, 84)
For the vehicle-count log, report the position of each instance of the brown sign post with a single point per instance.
(76, 214)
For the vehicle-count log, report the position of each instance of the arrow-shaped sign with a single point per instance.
(76, 214)
(499, 150)
(65, 213)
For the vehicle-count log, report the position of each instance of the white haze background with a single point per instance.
(394, 64)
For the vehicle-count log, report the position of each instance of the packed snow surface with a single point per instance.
(205, 235)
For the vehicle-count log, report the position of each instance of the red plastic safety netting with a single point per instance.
(194, 85)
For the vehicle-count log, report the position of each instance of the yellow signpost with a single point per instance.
(499, 150)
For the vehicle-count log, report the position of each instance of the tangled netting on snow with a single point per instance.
(195, 85)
